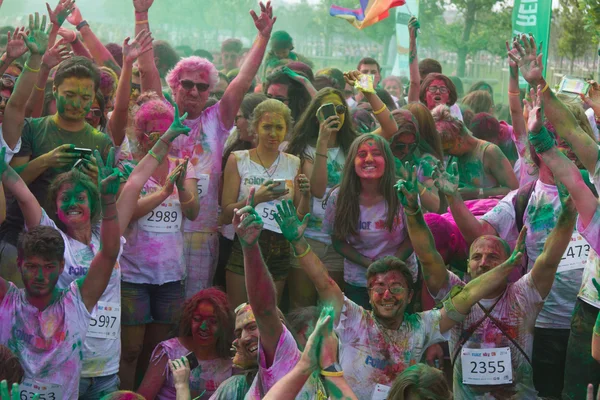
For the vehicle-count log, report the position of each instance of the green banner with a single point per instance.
(533, 16)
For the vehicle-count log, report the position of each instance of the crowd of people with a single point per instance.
(243, 227)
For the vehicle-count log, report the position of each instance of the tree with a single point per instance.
(574, 42)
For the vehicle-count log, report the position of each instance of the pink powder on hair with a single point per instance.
(193, 64)
(154, 110)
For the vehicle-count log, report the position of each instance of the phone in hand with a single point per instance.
(79, 163)
(82, 151)
(573, 86)
(192, 360)
(326, 110)
(279, 185)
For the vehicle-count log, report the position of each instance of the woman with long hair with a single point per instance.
(373, 227)
(153, 263)
(407, 146)
(322, 145)
(276, 176)
(206, 331)
(422, 382)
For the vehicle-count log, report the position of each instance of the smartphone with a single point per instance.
(82, 151)
(279, 185)
(192, 360)
(326, 110)
(573, 86)
(79, 163)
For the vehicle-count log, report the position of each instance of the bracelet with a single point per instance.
(28, 68)
(322, 155)
(82, 24)
(382, 109)
(308, 249)
(157, 158)
(187, 202)
(165, 142)
(36, 87)
(330, 374)
(452, 312)
(418, 210)
(141, 22)
(514, 93)
(545, 88)
(423, 191)
(541, 141)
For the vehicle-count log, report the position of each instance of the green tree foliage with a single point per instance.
(576, 36)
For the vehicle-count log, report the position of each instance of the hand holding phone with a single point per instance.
(192, 360)
(279, 185)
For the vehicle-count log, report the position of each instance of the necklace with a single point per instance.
(265, 168)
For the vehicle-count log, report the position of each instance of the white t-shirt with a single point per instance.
(370, 354)
(100, 355)
(516, 310)
(48, 343)
(373, 240)
(204, 147)
(335, 166)
(286, 357)
(592, 118)
(150, 256)
(540, 218)
(9, 152)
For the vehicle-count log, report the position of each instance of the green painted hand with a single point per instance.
(59, 15)
(36, 39)
(517, 254)
(108, 175)
(413, 27)
(177, 127)
(447, 183)
(597, 286)
(408, 190)
(293, 75)
(291, 227)
(15, 392)
(247, 223)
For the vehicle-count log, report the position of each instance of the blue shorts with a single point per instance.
(143, 303)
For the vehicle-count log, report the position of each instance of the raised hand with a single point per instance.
(15, 392)
(75, 17)
(180, 368)
(351, 77)
(535, 119)
(447, 183)
(408, 190)
(293, 75)
(303, 184)
(61, 12)
(328, 126)
(180, 181)
(67, 34)
(264, 23)
(413, 27)
(177, 127)
(15, 46)
(57, 54)
(247, 222)
(142, 5)
(140, 45)
(517, 254)
(528, 60)
(36, 38)
(287, 219)
(593, 97)
(108, 175)
(511, 50)
(170, 183)
(321, 346)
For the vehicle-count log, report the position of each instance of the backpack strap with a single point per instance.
(520, 202)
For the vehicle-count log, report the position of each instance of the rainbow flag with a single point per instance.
(369, 13)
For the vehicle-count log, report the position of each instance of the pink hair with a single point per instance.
(151, 111)
(449, 127)
(194, 64)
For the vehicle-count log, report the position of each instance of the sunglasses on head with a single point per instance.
(189, 85)
(280, 98)
(95, 112)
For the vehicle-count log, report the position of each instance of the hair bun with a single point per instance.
(442, 113)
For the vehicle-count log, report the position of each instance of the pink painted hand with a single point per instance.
(67, 34)
(247, 222)
(511, 50)
(75, 17)
(264, 23)
(15, 46)
(61, 12)
(535, 119)
(140, 45)
(57, 54)
(528, 60)
(142, 5)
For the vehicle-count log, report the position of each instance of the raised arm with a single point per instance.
(187, 189)
(301, 79)
(434, 268)
(100, 53)
(131, 51)
(15, 48)
(293, 230)
(567, 127)
(58, 17)
(234, 94)
(78, 48)
(14, 115)
(149, 75)
(515, 106)
(470, 227)
(262, 295)
(103, 263)
(141, 173)
(32, 212)
(413, 61)
(485, 285)
(563, 169)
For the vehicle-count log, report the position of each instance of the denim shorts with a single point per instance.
(143, 303)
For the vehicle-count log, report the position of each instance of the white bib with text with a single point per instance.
(47, 391)
(165, 218)
(105, 322)
(486, 366)
(576, 254)
(203, 181)
(380, 392)
(267, 211)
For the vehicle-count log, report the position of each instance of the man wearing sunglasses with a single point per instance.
(191, 81)
(377, 345)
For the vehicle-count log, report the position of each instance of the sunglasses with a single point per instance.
(441, 89)
(340, 109)
(189, 85)
(8, 80)
(280, 98)
(404, 147)
(95, 112)
(395, 289)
